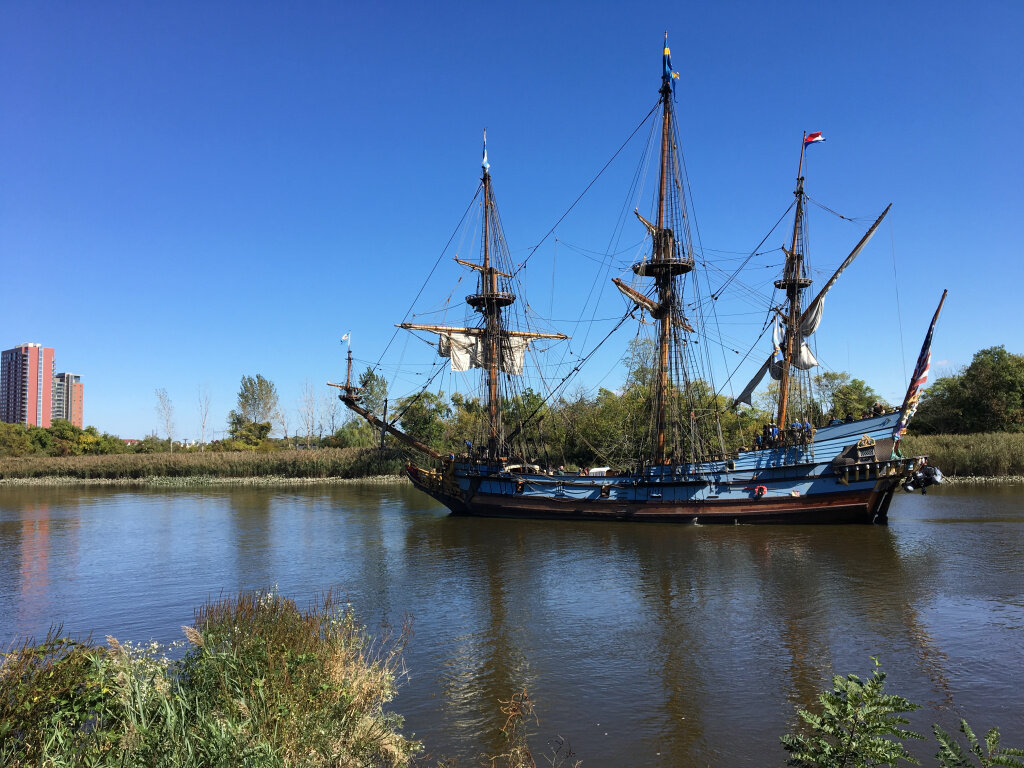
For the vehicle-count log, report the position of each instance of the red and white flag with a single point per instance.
(813, 138)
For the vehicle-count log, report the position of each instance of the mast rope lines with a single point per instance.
(570, 374)
(458, 228)
(586, 189)
(753, 253)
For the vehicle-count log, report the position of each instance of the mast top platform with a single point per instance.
(482, 302)
(797, 282)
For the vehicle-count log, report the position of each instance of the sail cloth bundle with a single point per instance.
(809, 322)
(468, 351)
(803, 358)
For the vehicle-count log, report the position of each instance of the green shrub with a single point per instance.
(263, 683)
(859, 726)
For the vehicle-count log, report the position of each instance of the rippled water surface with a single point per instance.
(642, 644)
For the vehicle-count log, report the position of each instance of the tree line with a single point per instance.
(582, 429)
(610, 427)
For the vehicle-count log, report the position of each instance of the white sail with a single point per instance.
(812, 317)
(467, 351)
(464, 350)
(512, 354)
(802, 358)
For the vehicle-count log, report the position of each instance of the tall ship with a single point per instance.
(797, 465)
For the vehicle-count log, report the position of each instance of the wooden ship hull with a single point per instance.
(847, 474)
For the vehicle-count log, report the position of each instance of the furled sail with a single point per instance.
(468, 351)
(809, 322)
(802, 357)
(748, 391)
(812, 317)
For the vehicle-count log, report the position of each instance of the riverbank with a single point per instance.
(981, 455)
(964, 460)
(188, 468)
(261, 682)
(273, 481)
(281, 481)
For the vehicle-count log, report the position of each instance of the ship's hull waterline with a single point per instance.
(780, 485)
(850, 507)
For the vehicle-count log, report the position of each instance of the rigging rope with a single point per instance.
(586, 189)
(412, 304)
(826, 208)
(732, 277)
(574, 371)
(896, 285)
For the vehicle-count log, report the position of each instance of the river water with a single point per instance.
(641, 644)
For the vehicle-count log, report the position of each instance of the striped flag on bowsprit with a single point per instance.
(919, 378)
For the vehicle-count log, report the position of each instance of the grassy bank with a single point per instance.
(999, 454)
(262, 683)
(313, 464)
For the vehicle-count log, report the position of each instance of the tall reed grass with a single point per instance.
(998, 454)
(319, 463)
(263, 683)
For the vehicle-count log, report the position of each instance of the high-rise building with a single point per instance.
(26, 385)
(67, 398)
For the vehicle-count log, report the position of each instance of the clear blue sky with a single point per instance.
(194, 191)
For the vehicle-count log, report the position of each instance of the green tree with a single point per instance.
(523, 414)
(14, 440)
(251, 419)
(374, 392)
(355, 433)
(250, 433)
(829, 386)
(67, 438)
(42, 441)
(854, 398)
(423, 417)
(257, 399)
(987, 396)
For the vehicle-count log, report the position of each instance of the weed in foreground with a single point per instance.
(263, 683)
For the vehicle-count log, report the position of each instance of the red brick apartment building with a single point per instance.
(26, 385)
(67, 398)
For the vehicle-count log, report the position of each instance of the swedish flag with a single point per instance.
(666, 61)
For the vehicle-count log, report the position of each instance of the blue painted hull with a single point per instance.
(828, 480)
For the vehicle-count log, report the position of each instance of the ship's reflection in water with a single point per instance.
(640, 644)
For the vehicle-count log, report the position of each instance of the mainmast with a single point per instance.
(793, 282)
(664, 265)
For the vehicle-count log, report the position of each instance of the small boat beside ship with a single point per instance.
(841, 472)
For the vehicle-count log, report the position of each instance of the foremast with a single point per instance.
(350, 396)
(497, 345)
